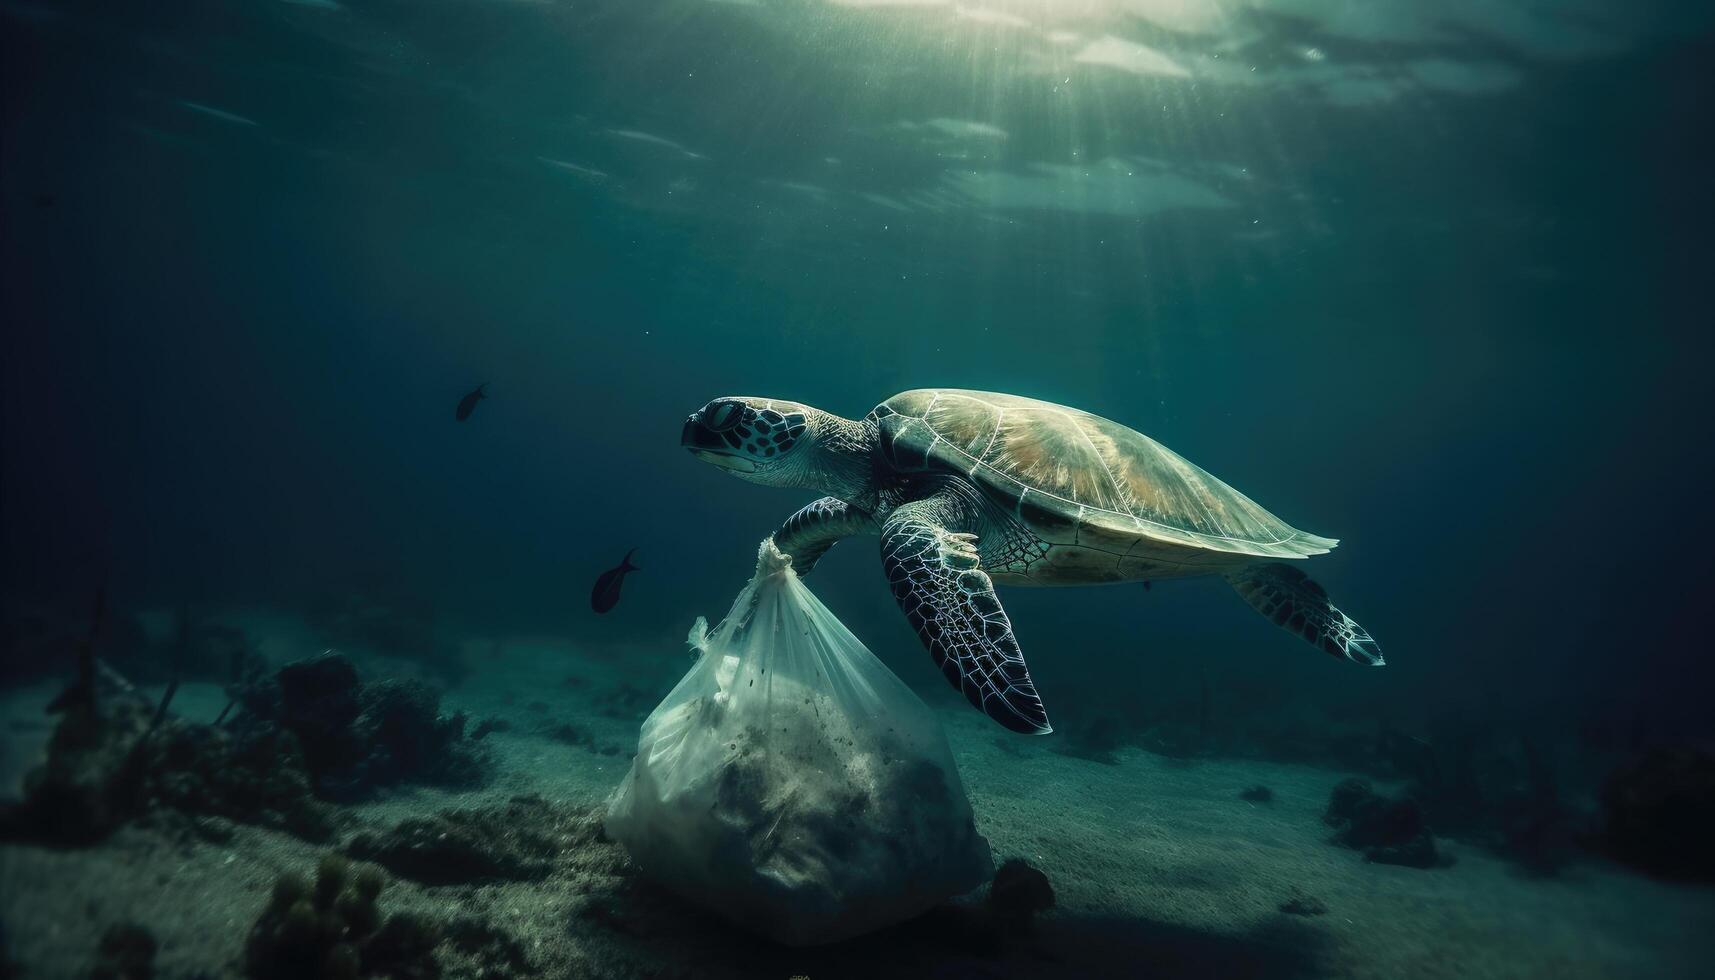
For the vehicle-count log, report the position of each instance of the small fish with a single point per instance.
(605, 595)
(467, 404)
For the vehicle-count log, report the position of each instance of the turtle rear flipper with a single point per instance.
(937, 580)
(1294, 602)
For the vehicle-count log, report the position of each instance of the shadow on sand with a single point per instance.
(957, 941)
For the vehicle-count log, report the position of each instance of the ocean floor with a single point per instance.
(1159, 867)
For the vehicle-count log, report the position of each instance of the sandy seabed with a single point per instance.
(1159, 869)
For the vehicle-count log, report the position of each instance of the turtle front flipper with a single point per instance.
(937, 579)
(1295, 603)
(808, 534)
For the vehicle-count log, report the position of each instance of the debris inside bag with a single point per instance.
(793, 784)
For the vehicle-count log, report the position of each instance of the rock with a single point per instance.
(1388, 831)
(1018, 892)
(569, 734)
(1302, 904)
(1416, 852)
(1348, 797)
(1660, 810)
(318, 701)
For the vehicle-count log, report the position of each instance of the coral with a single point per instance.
(517, 841)
(1659, 809)
(1388, 831)
(255, 777)
(127, 952)
(357, 737)
(1018, 892)
(333, 929)
(311, 731)
(111, 761)
(1488, 786)
(86, 786)
(409, 739)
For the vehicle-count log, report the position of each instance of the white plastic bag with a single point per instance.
(792, 783)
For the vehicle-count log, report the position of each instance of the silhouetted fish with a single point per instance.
(605, 595)
(467, 404)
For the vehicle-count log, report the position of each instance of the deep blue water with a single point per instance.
(1428, 278)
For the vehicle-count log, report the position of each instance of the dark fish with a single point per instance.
(1146, 585)
(605, 595)
(467, 404)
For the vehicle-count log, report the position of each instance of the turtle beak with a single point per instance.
(707, 445)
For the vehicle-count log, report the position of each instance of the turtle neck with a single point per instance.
(845, 459)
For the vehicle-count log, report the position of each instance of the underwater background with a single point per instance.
(1430, 278)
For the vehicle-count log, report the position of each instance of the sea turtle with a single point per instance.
(971, 488)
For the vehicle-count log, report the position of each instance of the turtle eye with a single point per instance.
(723, 414)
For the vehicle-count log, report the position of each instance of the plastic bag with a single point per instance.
(792, 783)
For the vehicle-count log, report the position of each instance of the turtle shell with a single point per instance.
(1076, 478)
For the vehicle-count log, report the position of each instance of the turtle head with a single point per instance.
(763, 440)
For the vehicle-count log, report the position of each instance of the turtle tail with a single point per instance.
(1294, 602)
